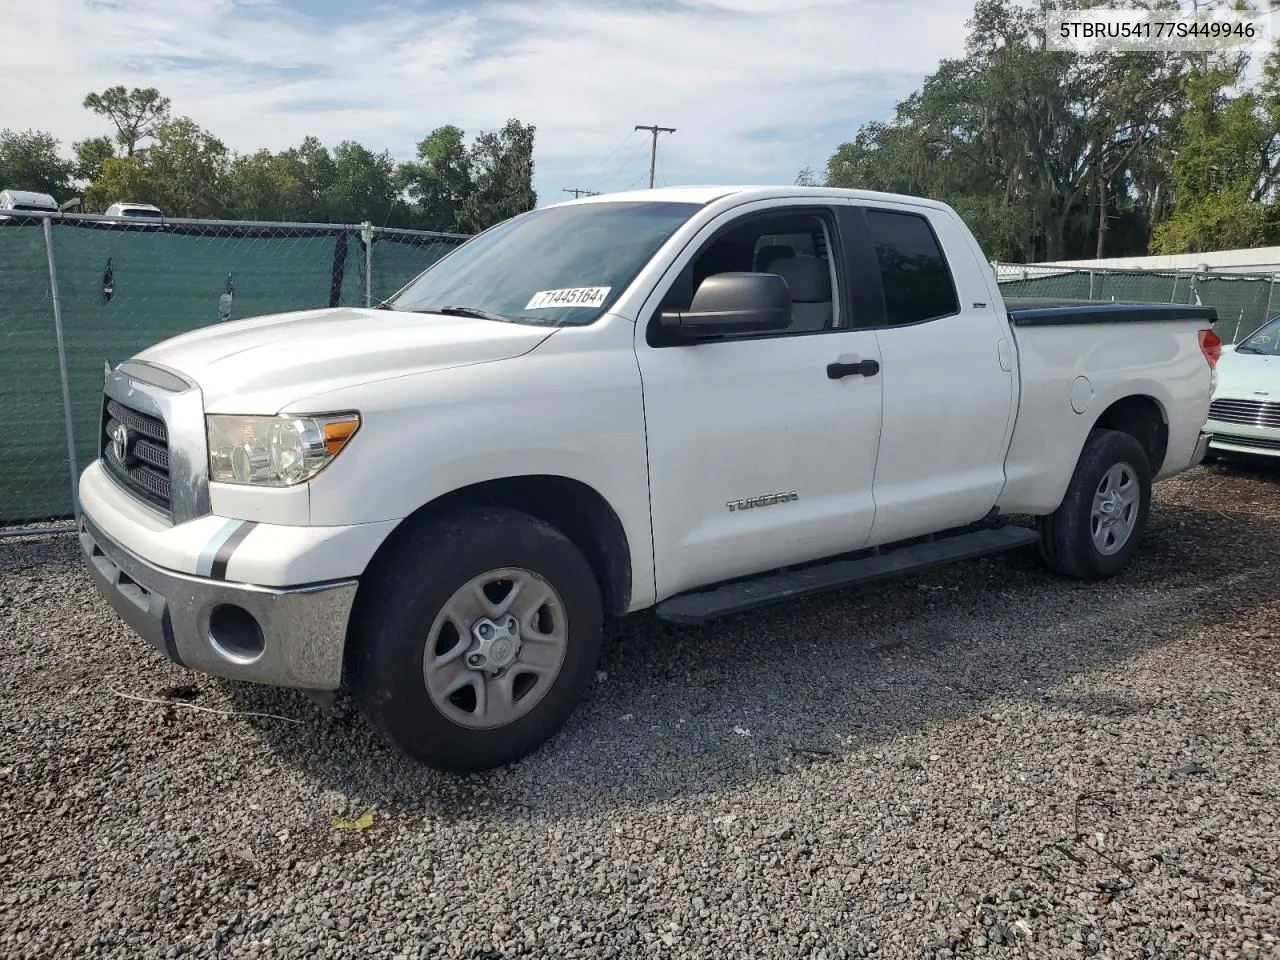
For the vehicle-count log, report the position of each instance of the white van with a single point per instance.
(27, 201)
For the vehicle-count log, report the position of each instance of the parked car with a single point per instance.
(134, 212)
(26, 201)
(1244, 415)
(696, 400)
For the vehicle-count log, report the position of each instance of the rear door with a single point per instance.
(947, 372)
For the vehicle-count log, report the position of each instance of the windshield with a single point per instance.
(136, 212)
(1264, 340)
(556, 266)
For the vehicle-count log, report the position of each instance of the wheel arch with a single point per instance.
(1142, 417)
(574, 508)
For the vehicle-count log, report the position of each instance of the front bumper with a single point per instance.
(286, 637)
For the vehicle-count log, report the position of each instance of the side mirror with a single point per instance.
(731, 303)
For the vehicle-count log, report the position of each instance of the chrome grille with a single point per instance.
(1253, 413)
(144, 466)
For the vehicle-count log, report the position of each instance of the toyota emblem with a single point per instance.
(120, 441)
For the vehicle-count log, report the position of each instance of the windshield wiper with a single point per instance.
(468, 312)
(1247, 349)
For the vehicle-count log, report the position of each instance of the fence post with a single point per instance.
(1091, 272)
(62, 369)
(366, 231)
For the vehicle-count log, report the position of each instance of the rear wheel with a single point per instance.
(1103, 516)
(476, 637)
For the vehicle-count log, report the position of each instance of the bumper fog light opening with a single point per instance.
(235, 634)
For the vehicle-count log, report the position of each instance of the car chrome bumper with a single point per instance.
(1244, 439)
(285, 637)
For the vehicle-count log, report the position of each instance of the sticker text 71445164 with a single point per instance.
(568, 297)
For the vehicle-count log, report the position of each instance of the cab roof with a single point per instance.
(705, 194)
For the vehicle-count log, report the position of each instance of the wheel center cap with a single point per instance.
(502, 652)
(1112, 508)
(497, 644)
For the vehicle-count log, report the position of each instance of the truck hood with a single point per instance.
(261, 365)
(1248, 376)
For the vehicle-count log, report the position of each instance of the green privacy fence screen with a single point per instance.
(124, 287)
(1244, 301)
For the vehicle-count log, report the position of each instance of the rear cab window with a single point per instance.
(914, 273)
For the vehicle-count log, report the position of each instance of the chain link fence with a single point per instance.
(1244, 301)
(80, 292)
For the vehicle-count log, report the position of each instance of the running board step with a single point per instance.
(702, 605)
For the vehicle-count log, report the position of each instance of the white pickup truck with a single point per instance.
(697, 399)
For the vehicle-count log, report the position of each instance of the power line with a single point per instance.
(612, 152)
(627, 163)
(580, 192)
(653, 152)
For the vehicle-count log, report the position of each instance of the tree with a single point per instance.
(184, 173)
(1223, 171)
(29, 160)
(1042, 147)
(363, 185)
(137, 114)
(91, 154)
(502, 176)
(807, 178)
(439, 182)
(121, 179)
(188, 167)
(264, 186)
(313, 167)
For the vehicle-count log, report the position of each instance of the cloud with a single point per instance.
(756, 89)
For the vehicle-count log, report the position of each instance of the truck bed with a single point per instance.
(1049, 311)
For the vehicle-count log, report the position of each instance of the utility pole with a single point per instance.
(653, 151)
(580, 192)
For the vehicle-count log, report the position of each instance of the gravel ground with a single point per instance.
(984, 760)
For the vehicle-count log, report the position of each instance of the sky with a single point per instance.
(756, 89)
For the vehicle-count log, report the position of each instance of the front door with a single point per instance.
(759, 456)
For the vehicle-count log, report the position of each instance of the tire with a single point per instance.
(419, 627)
(1069, 543)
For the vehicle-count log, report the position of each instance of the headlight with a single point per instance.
(275, 451)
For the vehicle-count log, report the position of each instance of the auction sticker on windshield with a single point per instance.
(568, 297)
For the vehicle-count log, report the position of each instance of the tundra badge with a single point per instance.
(765, 501)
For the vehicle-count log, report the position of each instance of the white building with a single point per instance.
(1257, 260)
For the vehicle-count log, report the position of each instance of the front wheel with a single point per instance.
(1103, 516)
(477, 637)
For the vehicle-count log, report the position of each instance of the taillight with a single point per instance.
(1211, 347)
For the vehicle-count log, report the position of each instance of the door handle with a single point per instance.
(862, 368)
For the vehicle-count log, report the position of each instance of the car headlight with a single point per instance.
(275, 451)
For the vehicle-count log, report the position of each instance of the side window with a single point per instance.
(773, 247)
(792, 245)
(914, 273)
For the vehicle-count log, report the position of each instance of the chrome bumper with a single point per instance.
(290, 637)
